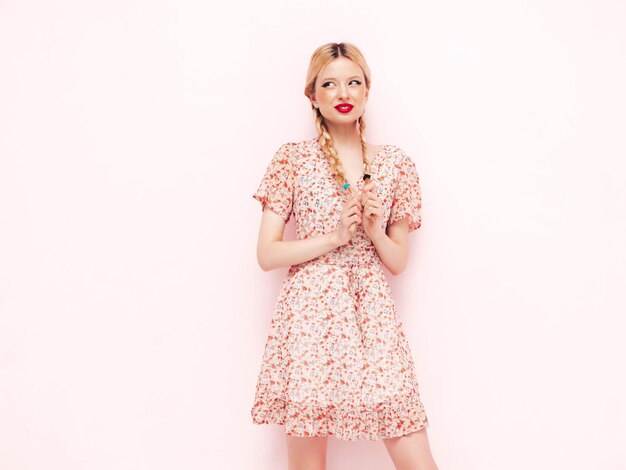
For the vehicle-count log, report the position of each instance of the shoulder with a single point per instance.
(287, 148)
(307, 147)
(396, 156)
(284, 154)
(301, 147)
(401, 166)
(297, 152)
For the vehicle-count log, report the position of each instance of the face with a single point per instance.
(341, 81)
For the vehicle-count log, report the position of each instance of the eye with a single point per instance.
(353, 80)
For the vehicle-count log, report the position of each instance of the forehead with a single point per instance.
(339, 68)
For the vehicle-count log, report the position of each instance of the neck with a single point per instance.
(344, 136)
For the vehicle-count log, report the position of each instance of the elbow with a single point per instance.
(398, 270)
(260, 260)
(263, 262)
(266, 257)
(401, 264)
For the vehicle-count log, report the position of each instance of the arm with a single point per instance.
(392, 243)
(273, 252)
(392, 247)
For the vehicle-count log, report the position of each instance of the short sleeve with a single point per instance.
(407, 196)
(276, 188)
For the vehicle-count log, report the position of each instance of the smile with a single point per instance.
(344, 108)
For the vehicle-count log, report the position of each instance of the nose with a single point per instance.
(343, 91)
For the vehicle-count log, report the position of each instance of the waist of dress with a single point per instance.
(342, 262)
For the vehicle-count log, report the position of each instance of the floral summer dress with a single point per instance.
(336, 360)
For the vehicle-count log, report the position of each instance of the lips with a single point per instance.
(344, 108)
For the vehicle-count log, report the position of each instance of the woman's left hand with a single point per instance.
(372, 211)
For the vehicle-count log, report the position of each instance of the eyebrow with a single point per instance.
(333, 78)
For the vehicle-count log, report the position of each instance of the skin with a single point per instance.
(342, 81)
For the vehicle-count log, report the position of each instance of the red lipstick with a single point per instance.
(344, 108)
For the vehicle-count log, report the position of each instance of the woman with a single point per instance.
(336, 361)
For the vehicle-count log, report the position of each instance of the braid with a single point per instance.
(366, 160)
(329, 149)
(326, 142)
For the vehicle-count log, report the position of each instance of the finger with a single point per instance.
(370, 187)
(368, 197)
(369, 184)
(370, 211)
(373, 199)
(377, 203)
(353, 210)
(376, 212)
(349, 206)
(372, 203)
(366, 206)
(371, 193)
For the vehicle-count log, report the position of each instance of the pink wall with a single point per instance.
(132, 311)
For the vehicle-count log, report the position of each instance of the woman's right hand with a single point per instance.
(351, 214)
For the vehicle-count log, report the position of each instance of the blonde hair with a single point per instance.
(322, 56)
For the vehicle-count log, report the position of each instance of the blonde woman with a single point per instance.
(336, 361)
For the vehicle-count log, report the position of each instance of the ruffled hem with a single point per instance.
(272, 203)
(415, 221)
(394, 418)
